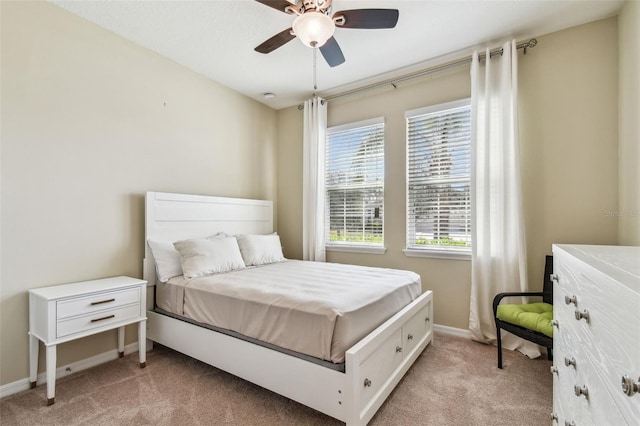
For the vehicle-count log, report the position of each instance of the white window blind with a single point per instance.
(438, 177)
(355, 184)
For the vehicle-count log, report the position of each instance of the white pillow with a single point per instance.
(260, 249)
(207, 256)
(167, 259)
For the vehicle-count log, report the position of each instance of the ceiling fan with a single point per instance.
(315, 26)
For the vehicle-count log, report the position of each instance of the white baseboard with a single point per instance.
(65, 370)
(452, 331)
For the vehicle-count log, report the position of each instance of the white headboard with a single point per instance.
(173, 217)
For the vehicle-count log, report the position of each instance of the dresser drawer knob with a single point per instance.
(569, 423)
(629, 386)
(582, 315)
(553, 369)
(398, 349)
(554, 277)
(570, 362)
(554, 417)
(581, 391)
(571, 299)
(554, 323)
(410, 336)
(367, 383)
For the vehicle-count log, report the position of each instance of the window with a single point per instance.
(355, 185)
(438, 179)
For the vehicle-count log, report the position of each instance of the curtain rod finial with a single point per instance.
(530, 43)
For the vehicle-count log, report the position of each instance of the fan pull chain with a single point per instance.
(315, 55)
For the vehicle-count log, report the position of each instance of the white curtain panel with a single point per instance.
(315, 130)
(499, 251)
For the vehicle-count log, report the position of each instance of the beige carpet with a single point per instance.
(454, 382)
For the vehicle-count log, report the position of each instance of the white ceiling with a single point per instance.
(216, 38)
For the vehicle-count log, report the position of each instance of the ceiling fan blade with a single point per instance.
(280, 5)
(332, 52)
(276, 41)
(366, 18)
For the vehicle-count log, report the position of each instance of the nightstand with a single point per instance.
(62, 313)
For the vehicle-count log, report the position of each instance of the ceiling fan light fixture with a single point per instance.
(313, 28)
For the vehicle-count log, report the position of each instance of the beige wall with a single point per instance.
(89, 123)
(290, 125)
(568, 128)
(568, 91)
(629, 124)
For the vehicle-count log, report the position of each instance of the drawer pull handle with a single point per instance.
(554, 277)
(367, 383)
(102, 301)
(553, 369)
(426, 319)
(554, 323)
(410, 336)
(103, 318)
(398, 349)
(581, 391)
(571, 299)
(582, 315)
(629, 387)
(554, 417)
(570, 361)
(569, 423)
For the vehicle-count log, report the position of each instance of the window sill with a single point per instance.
(438, 254)
(356, 249)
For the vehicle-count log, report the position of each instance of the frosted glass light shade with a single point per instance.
(313, 28)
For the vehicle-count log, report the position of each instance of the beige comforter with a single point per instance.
(318, 309)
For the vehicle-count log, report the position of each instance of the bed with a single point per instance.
(348, 377)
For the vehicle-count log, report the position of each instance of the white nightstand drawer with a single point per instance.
(96, 302)
(97, 320)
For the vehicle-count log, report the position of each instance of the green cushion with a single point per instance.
(533, 316)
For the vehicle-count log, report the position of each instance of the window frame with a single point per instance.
(412, 250)
(351, 246)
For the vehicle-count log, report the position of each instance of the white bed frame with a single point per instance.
(373, 366)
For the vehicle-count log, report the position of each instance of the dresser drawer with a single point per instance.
(95, 302)
(574, 369)
(104, 318)
(612, 342)
(566, 360)
(565, 313)
(597, 306)
(610, 337)
(597, 408)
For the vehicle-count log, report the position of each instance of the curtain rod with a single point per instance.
(393, 81)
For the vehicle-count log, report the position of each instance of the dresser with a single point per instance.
(596, 367)
(61, 313)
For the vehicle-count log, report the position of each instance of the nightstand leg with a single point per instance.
(51, 374)
(120, 342)
(34, 347)
(142, 343)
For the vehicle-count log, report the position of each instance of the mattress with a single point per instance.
(313, 308)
